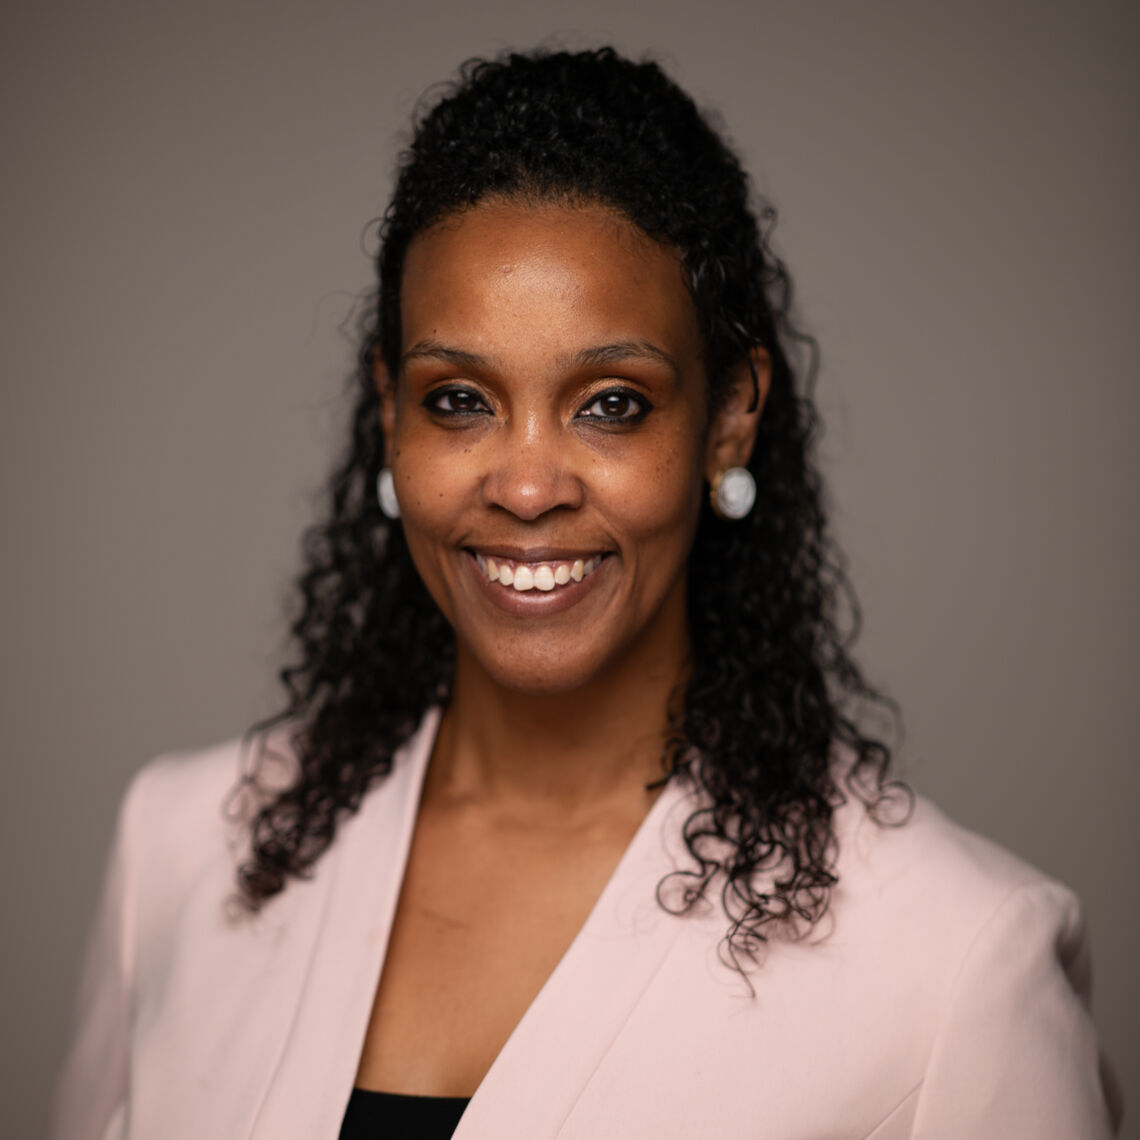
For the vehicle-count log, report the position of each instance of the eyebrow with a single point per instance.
(430, 349)
(624, 350)
(593, 356)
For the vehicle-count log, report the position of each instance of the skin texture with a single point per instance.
(770, 687)
(558, 711)
(528, 291)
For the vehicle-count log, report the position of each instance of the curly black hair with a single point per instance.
(772, 690)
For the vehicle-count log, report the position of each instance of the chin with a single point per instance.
(540, 674)
(549, 681)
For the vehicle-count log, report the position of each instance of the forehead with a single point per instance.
(517, 277)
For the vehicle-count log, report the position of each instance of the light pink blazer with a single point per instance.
(943, 996)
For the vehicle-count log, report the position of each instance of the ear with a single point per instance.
(386, 386)
(732, 429)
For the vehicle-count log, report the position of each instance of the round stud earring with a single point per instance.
(733, 492)
(386, 493)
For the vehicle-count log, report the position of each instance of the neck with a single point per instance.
(601, 742)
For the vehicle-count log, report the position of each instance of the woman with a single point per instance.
(570, 827)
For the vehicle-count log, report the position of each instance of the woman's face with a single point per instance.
(547, 436)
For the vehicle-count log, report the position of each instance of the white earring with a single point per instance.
(386, 493)
(733, 492)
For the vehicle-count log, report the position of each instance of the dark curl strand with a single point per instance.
(772, 692)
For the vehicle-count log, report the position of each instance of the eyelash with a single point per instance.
(431, 402)
(639, 405)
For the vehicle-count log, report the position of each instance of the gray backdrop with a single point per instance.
(184, 192)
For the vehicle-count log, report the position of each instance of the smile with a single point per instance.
(545, 576)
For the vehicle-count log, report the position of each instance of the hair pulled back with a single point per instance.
(773, 690)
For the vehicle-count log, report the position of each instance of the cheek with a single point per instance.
(660, 498)
(428, 497)
(429, 483)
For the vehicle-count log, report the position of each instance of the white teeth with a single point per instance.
(544, 576)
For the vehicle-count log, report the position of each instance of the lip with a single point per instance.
(535, 603)
(536, 553)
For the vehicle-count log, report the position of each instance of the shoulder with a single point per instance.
(178, 801)
(990, 956)
(186, 781)
(942, 993)
(182, 831)
(192, 795)
(924, 887)
(923, 858)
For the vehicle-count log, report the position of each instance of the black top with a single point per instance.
(394, 1116)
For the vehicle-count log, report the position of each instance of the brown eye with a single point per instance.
(619, 405)
(455, 402)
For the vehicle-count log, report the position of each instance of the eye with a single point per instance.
(618, 405)
(455, 402)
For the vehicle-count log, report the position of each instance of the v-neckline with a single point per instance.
(588, 995)
(578, 1011)
(626, 908)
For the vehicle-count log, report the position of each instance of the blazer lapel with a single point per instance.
(549, 1058)
(534, 1082)
(314, 1075)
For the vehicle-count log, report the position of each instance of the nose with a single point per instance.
(531, 470)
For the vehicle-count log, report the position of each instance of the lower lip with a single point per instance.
(535, 603)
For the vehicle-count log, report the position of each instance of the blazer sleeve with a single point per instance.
(90, 1095)
(1017, 1054)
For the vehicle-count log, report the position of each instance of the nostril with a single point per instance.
(532, 492)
